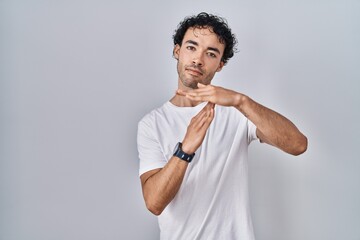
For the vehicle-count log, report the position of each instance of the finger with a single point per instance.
(200, 92)
(198, 98)
(207, 107)
(203, 89)
(212, 113)
(207, 110)
(205, 123)
(200, 115)
(203, 114)
(200, 85)
(210, 105)
(202, 121)
(180, 92)
(192, 93)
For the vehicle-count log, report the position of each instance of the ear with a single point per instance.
(176, 51)
(221, 65)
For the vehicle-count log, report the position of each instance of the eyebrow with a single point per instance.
(209, 48)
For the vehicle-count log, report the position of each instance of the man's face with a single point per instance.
(199, 57)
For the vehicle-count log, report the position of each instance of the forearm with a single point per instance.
(272, 127)
(161, 185)
(160, 188)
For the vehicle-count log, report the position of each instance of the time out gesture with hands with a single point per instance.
(161, 185)
(272, 127)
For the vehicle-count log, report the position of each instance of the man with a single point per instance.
(200, 189)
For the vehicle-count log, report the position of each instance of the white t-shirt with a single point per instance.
(213, 200)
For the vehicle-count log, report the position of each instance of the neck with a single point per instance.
(182, 101)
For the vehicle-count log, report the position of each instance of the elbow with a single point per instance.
(154, 210)
(300, 147)
(153, 207)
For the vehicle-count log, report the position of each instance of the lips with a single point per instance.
(194, 71)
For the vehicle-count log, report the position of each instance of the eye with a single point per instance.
(213, 55)
(192, 48)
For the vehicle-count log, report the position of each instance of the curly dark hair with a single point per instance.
(216, 24)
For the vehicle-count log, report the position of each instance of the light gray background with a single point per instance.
(77, 76)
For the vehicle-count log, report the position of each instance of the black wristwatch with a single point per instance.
(178, 152)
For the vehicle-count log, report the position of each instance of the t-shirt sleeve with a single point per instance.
(251, 131)
(150, 153)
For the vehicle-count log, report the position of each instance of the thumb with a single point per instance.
(200, 85)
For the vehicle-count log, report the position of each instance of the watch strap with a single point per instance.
(183, 155)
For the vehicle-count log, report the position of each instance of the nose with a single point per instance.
(198, 60)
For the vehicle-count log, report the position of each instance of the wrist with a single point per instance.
(180, 153)
(240, 100)
(187, 148)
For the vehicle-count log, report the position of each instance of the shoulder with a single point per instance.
(150, 118)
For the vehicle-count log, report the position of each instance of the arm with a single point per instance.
(272, 128)
(161, 185)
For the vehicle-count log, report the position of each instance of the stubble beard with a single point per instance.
(191, 83)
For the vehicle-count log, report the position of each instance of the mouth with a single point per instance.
(194, 71)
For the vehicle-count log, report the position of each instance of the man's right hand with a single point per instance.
(197, 128)
(161, 185)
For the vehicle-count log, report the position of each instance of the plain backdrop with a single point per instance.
(77, 76)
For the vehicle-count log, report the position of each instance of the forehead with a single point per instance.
(204, 36)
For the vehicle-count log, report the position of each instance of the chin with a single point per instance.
(190, 84)
(193, 85)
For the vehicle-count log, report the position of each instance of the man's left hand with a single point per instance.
(213, 94)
